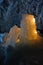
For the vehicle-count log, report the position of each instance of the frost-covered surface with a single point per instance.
(11, 12)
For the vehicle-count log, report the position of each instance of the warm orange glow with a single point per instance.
(35, 32)
(34, 20)
(18, 40)
(28, 28)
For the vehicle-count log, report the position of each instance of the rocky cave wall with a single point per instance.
(11, 12)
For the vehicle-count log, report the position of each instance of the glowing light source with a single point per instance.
(18, 40)
(34, 20)
(28, 28)
(35, 32)
(26, 33)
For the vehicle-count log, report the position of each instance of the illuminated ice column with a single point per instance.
(13, 36)
(28, 28)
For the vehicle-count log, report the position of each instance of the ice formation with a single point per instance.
(28, 28)
(13, 36)
(26, 34)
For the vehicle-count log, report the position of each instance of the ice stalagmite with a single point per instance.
(28, 28)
